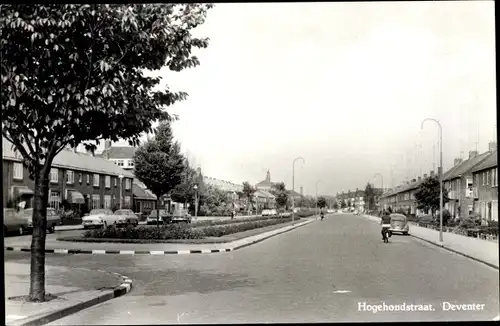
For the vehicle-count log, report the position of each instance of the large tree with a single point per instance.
(280, 192)
(335, 205)
(370, 194)
(343, 204)
(185, 192)
(427, 195)
(321, 202)
(248, 191)
(159, 163)
(74, 73)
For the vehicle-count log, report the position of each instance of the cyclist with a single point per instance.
(385, 222)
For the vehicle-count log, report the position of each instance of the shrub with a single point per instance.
(178, 231)
(304, 214)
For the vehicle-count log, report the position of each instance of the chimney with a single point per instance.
(472, 154)
(492, 146)
(107, 144)
(457, 161)
(432, 173)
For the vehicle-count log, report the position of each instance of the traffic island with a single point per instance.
(69, 290)
(225, 243)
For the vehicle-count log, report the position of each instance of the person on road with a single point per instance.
(322, 214)
(385, 221)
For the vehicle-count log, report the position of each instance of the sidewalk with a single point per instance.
(477, 249)
(68, 247)
(73, 289)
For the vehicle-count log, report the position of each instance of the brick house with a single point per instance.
(123, 156)
(484, 191)
(144, 201)
(77, 178)
(458, 180)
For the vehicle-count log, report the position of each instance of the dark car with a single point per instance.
(165, 217)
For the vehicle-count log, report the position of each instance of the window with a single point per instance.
(484, 180)
(54, 199)
(127, 184)
(130, 162)
(18, 171)
(107, 201)
(88, 179)
(54, 175)
(119, 162)
(70, 177)
(494, 177)
(96, 180)
(96, 201)
(126, 201)
(487, 177)
(80, 178)
(477, 180)
(116, 181)
(107, 181)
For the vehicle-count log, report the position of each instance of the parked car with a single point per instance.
(126, 217)
(269, 212)
(399, 224)
(356, 212)
(99, 218)
(165, 217)
(14, 222)
(181, 216)
(53, 218)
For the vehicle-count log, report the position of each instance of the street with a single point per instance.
(324, 272)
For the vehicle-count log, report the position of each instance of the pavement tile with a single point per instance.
(70, 285)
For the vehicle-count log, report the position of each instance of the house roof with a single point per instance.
(489, 162)
(222, 184)
(293, 193)
(141, 193)
(465, 166)
(119, 152)
(263, 193)
(68, 159)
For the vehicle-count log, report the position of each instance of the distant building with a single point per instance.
(266, 184)
(123, 156)
(484, 190)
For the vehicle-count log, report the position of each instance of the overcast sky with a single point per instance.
(343, 85)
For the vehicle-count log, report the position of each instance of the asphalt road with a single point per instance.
(323, 272)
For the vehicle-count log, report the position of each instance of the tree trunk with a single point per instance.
(37, 273)
(158, 214)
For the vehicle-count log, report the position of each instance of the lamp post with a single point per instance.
(121, 186)
(440, 175)
(381, 177)
(293, 186)
(317, 195)
(195, 187)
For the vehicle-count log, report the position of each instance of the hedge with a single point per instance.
(179, 231)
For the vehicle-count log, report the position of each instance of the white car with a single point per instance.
(126, 217)
(98, 218)
(269, 212)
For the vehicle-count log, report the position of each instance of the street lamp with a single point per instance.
(381, 177)
(195, 187)
(121, 186)
(317, 195)
(440, 175)
(293, 186)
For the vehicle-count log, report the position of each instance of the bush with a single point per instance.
(178, 231)
(304, 214)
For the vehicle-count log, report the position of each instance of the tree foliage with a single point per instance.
(159, 163)
(427, 195)
(335, 205)
(370, 195)
(185, 192)
(280, 192)
(343, 204)
(248, 191)
(74, 73)
(321, 202)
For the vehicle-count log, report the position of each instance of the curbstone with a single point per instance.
(164, 252)
(49, 317)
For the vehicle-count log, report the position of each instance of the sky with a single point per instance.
(343, 85)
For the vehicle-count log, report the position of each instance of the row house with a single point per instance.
(458, 181)
(75, 178)
(144, 201)
(485, 188)
(402, 197)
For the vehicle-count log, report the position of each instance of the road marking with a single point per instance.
(157, 252)
(206, 251)
(342, 291)
(60, 251)
(497, 318)
(127, 252)
(183, 252)
(98, 252)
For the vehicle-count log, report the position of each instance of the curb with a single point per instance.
(453, 250)
(49, 317)
(156, 252)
